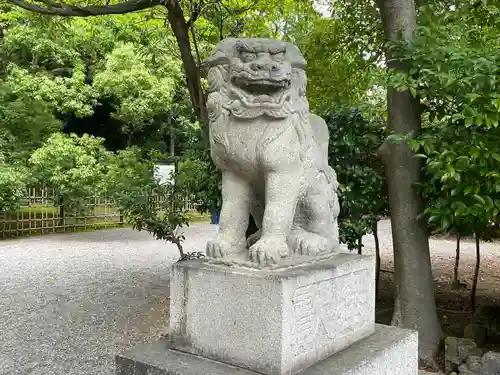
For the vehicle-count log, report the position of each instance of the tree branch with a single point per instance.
(195, 43)
(195, 13)
(237, 11)
(64, 10)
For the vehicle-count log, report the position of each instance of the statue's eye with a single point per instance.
(247, 56)
(278, 56)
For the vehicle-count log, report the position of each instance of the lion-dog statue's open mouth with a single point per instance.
(272, 152)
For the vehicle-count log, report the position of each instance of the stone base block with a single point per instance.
(389, 351)
(272, 322)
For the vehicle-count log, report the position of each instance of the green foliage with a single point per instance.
(25, 123)
(164, 221)
(199, 178)
(462, 185)
(354, 141)
(342, 53)
(128, 176)
(70, 66)
(143, 85)
(72, 166)
(455, 69)
(13, 182)
(64, 94)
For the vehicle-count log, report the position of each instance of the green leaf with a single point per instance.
(433, 219)
(445, 223)
(489, 201)
(479, 199)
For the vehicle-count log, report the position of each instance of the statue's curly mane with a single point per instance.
(295, 114)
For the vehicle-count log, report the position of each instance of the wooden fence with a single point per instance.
(39, 213)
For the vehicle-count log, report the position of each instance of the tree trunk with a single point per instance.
(377, 254)
(172, 142)
(414, 300)
(457, 263)
(476, 274)
(360, 245)
(180, 29)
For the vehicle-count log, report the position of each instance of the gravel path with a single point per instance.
(443, 258)
(70, 302)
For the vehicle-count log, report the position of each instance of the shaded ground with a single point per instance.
(70, 302)
(454, 306)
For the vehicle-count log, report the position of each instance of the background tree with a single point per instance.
(343, 49)
(354, 140)
(414, 300)
(71, 167)
(454, 68)
(142, 85)
(13, 181)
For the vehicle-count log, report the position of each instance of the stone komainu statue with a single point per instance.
(272, 152)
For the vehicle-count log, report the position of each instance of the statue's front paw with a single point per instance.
(269, 250)
(222, 248)
(306, 243)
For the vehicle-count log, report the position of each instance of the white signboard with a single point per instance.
(164, 173)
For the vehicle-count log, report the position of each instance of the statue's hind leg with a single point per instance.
(315, 229)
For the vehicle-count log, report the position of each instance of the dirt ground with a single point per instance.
(453, 305)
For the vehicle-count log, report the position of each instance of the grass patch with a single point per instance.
(196, 217)
(39, 219)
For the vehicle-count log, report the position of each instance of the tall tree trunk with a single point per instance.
(476, 274)
(172, 142)
(457, 263)
(360, 245)
(180, 29)
(377, 255)
(414, 300)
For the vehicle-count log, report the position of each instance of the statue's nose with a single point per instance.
(260, 66)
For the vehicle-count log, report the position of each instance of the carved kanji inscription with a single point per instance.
(328, 310)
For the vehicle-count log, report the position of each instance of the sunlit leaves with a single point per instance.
(72, 166)
(65, 94)
(454, 66)
(141, 88)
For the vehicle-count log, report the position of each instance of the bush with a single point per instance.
(198, 177)
(354, 141)
(12, 186)
(71, 166)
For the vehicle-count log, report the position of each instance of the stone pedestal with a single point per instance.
(389, 351)
(273, 322)
(315, 318)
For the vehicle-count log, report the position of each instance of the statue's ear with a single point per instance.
(218, 58)
(221, 54)
(295, 57)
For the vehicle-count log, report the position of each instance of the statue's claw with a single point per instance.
(269, 250)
